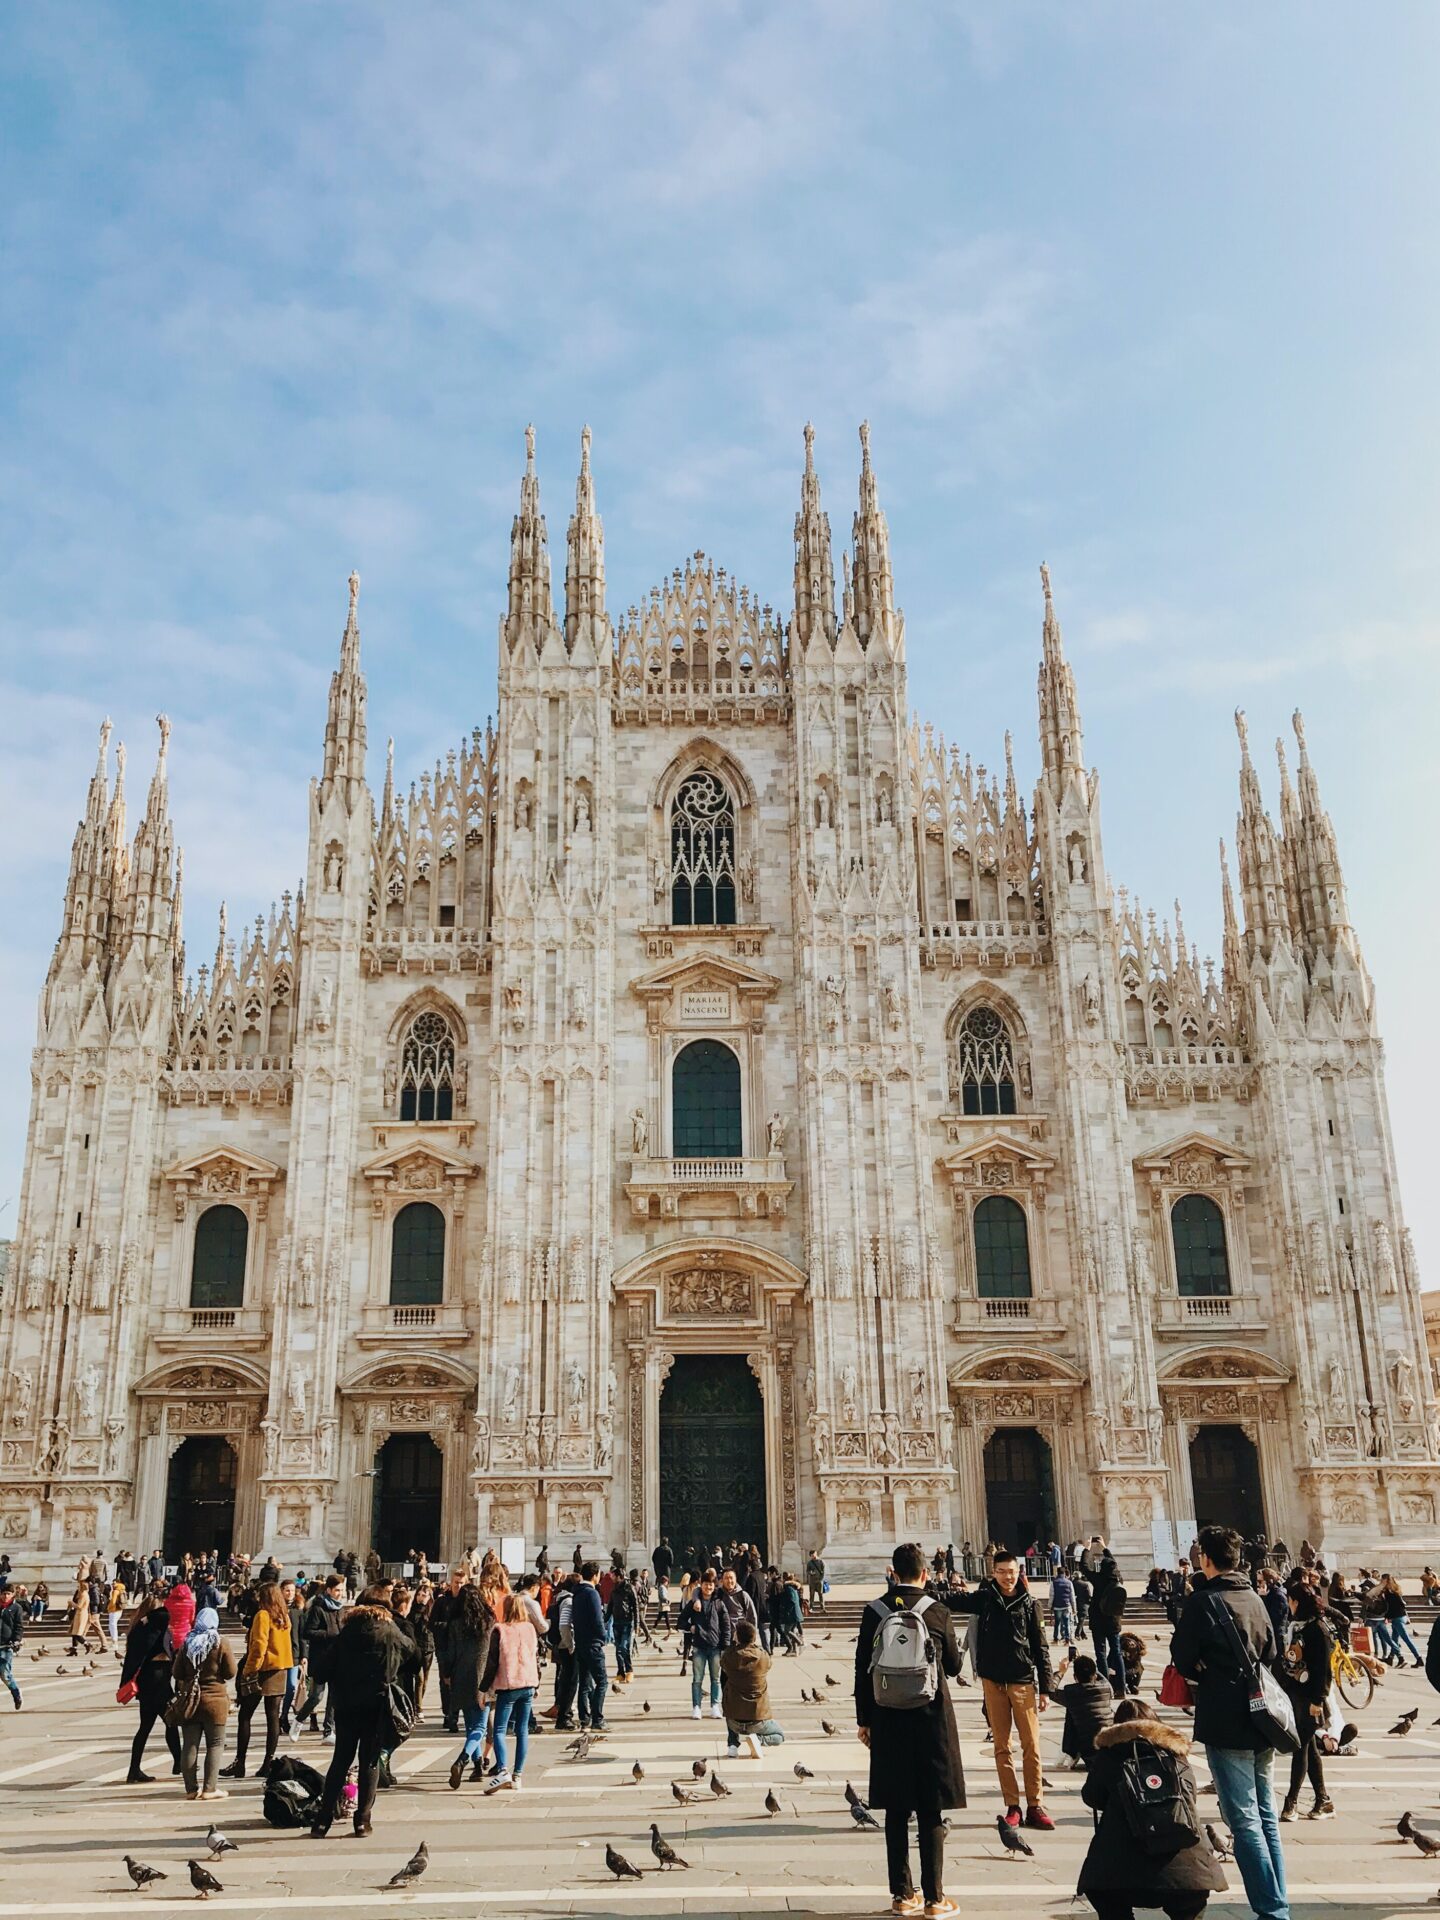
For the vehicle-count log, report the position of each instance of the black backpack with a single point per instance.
(1152, 1800)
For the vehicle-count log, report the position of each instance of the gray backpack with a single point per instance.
(903, 1671)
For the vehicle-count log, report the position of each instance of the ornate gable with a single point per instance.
(1194, 1160)
(418, 1169)
(997, 1160)
(225, 1173)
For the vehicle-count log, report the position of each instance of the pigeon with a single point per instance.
(1403, 1826)
(805, 1695)
(412, 1869)
(826, 1728)
(87, 1671)
(62, 1669)
(852, 1799)
(683, 1794)
(802, 1772)
(1011, 1838)
(581, 1746)
(203, 1881)
(817, 1699)
(662, 1849)
(698, 1769)
(637, 1773)
(1406, 1721)
(218, 1844)
(718, 1786)
(831, 1681)
(772, 1805)
(644, 1708)
(142, 1875)
(862, 1816)
(1221, 1844)
(1427, 1845)
(619, 1865)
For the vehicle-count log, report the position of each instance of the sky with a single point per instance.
(1147, 293)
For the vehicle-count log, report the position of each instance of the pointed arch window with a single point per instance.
(217, 1266)
(1002, 1249)
(985, 1063)
(702, 853)
(705, 1120)
(417, 1256)
(427, 1069)
(1202, 1262)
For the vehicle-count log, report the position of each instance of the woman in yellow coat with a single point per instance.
(268, 1659)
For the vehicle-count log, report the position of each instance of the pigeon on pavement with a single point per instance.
(218, 1844)
(412, 1869)
(637, 1773)
(827, 1729)
(831, 1681)
(644, 1708)
(862, 1816)
(1011, 1838)
(698, 1769)
(1402, 1825)
(683, 1794)
(1406, 1721)
(772, 1805)
(852, 1799)
(1425, 1842)
(203, 1881)
(142, 1875)
(718, 1786)
(662, 1849)
(1221, 1844)
(802, 1772)
(619, 1865)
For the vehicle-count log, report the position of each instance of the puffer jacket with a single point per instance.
(1114, 1864)
(369, 1652)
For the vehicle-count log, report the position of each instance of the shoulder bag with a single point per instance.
(1271, 1715)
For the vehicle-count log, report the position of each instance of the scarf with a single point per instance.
(203, 1637)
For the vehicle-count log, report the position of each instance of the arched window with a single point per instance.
(1197, 1227)
(417, 1256)
(427, 1069)
(702, 853)
(217, 1268)
(986, 1063)
(705, 1110)
(1002, 1249)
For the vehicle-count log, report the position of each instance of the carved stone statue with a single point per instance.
(1385, 1274)
(334, 870)
(270, 1446)
(1335, 1381)
(917, 1396)
(582, 812)
(298, 1390)
(325, 1457)
(822, 806)
(604, 1442)
(843, 1270)
(833, 994)
(809, 1386)
(575, 1392)
(87, 1386)
(480, 1445)
(909, 1262)
(514, 991)
(947, 1437)
(639, 1133)
(890, 999)
(612, 1389)
(659, 878)
(127, 1275)
(522, 810)
(324, 1015)
(577, 1272)
(1077, 861)
(1090, 1000)
(849, 1393)
(100, 1278)
(22, 1402)
(514, 1271)
(820, 1440)
(510, 1396)
(580, 1005)
(882, 806)
(114, 1434)
(306, 1287)
(892, 1439)
(36, 1273)
(1402, 1375)
(879, 1445)
(1128, 1393)
(775, 1134)
(747, 877)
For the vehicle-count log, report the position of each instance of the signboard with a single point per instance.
(705, 1004)
(512, 1553)
(1163, 1552)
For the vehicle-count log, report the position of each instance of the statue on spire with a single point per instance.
(354, 594)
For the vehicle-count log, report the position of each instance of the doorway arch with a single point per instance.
(712, 1454)
(200, 1498)
(409, 1469)
(1225, 1479)
(1019, 1488)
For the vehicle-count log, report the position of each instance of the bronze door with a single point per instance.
(200, 1498)
(712, 1454)
(408, 1497)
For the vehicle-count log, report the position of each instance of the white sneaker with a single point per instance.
(502, 1783)
(694, 1713)
(715, 1713)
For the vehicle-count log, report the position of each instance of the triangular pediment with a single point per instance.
(417, 1165)
(995, 1146)
(222, 1167)
(1187, 1147)
(699, 970)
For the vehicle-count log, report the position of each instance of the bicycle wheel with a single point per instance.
(1356, 1684)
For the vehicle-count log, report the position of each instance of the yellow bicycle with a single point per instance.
(1353, 1677)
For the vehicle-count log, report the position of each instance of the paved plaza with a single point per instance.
(66, 1817)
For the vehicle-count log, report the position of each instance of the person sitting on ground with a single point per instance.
(1089, 1704)
(1165, 1863)
(744, 1687)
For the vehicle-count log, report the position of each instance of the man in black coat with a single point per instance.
(1107, 1616)
(915, 1763)
(1011, 1655)
(1204, 1648)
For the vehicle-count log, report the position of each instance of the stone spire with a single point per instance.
(1062, 742)
(1232, 952)
(1262, 872)
(1324, 913)
(584, 560)
(530, 614)
(85, 924)
(871, 584)
(814, 568)
(149, 916)
(345, 721)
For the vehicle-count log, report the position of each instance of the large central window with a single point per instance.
(427, 1070)
(705, 1110)
(1197, 1228)
(702, 854)
(985, 1066)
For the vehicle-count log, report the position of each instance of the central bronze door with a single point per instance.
(712, 1454)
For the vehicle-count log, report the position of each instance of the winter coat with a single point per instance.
(663, 1561)
(1278, 1609)
(744, 1686)
(1309, 1654)
(180, 1606)
(268, 1649)
(513, 1659)
(464, 1658)
(1008, 1643)
(144, 1643)
(216, 1670)
(368, 1656)
(80, 1613)
(1203, 1650)
(624, 1608)
(1114, 1864)
(12, 1624)
(915, 1751)
(322, 1620)
(707, 1623)
(1062, 1594)
(587, 1617)
(1107, 1609)
(1089, 1706)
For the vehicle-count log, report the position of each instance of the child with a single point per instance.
(1089, 1704)
(744, 1685)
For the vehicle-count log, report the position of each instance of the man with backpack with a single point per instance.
(1146, 1850)
(1012, 1658)
(1222, 1643)
(905, 1648)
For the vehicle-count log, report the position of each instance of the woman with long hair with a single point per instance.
(201, 1672)
(366, 1661)
(512, 1670)
(263, 1672)
(147, 1663)
(1305, 1676)
(468, 1633)
(1397, 1621)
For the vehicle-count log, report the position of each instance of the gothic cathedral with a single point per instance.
(707, 1104)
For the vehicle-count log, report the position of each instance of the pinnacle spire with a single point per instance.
(150, 911)
(529, 611)
(814, 568)
(584, 559)
(345, 719)
(871, 582)
(1323, 911)
(1062, 741)
(1262, 873)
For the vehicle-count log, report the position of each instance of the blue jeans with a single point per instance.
(476, 1718)
(1064, 1624)
(1107, 1652)
(704, 1660)
(7, 1670)
(1242, 1783)
(1400, 1634)
(594, 1681)
(513, 1703)
(624, 1642)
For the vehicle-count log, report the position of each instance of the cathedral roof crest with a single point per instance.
(699, 641)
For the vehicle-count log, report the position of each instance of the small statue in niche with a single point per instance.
(747, 877)
(522, 810)
(334, 869)
(890, 999)
(639, 1133)
(849, 1390)
(510, 1398)
(822, 806)
(580, 1006)
(882, 806)
(514, 991)
(775, 1134)
(582, 812)
(1077, 862)
(87, 1386)
(1090, 1000)
(833, 993)
(604, 1441)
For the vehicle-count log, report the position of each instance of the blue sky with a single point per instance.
(1150, 293)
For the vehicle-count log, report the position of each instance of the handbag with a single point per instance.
(399, 1708)
(184, 1706)
(124, 1695)
(247, 1684)
(1175, 1689)
(1272, 1717)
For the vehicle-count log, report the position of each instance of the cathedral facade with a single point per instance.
(707, 1104)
